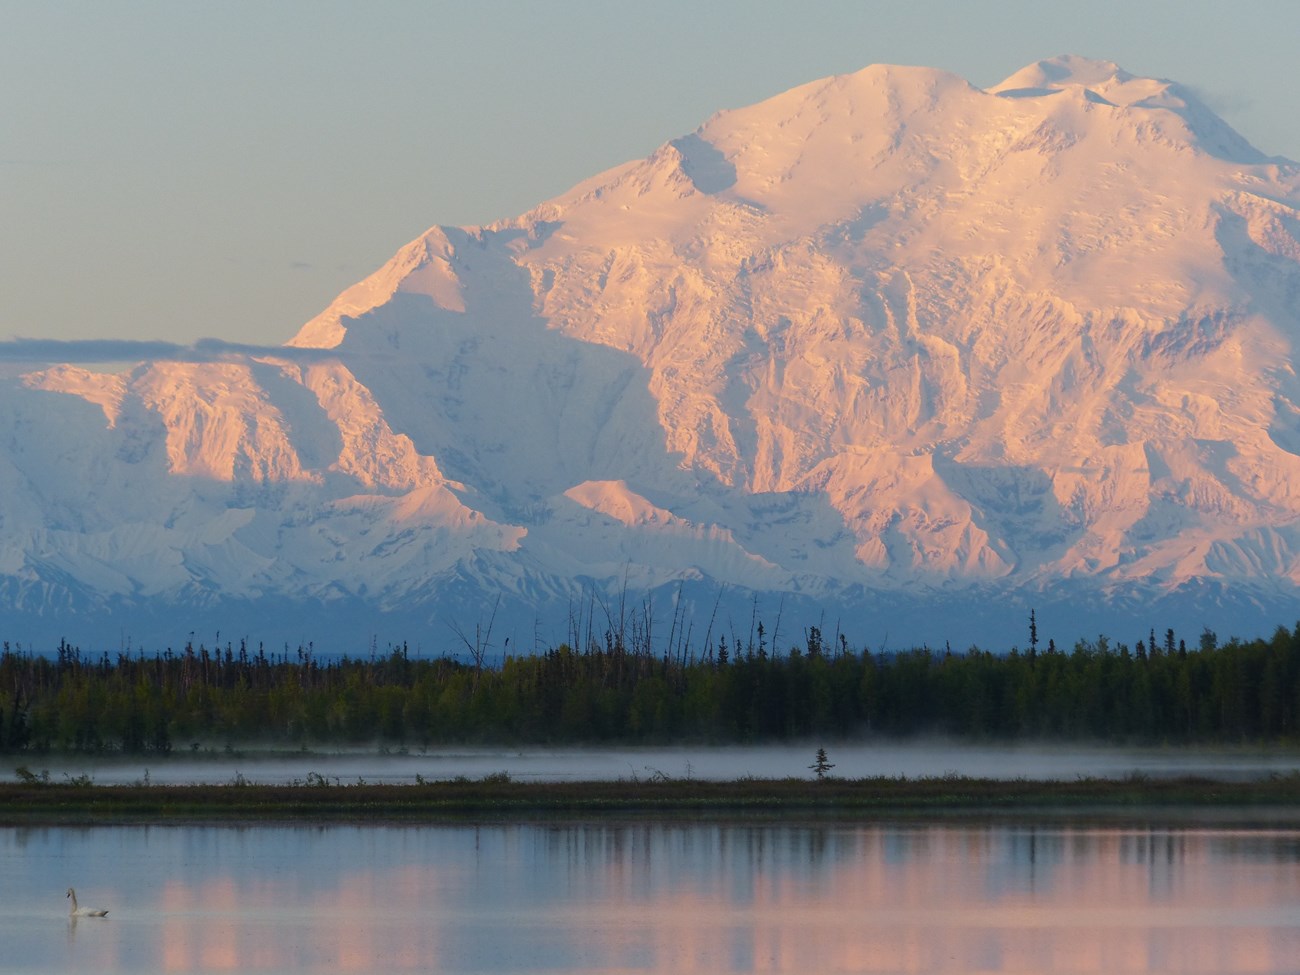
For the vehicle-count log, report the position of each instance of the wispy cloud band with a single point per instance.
(123, 350)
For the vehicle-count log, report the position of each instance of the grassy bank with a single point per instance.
(39, 803)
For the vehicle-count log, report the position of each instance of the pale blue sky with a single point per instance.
(182, 169)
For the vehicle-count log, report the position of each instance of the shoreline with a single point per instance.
(1275, 800)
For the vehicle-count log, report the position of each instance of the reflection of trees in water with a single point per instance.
(677, 896)
(912, 899)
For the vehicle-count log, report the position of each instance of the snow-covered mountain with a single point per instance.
(888, 348)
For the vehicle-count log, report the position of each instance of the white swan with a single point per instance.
(83, 911)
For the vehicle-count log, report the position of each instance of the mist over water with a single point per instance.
(851, 760)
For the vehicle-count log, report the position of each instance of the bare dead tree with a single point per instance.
(776, 634)
(708, 634)
(478, 648)
(672, 629)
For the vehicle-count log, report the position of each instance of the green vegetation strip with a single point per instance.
(27, 803)
(1160, 692)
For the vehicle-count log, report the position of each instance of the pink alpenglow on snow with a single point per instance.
(887, 344)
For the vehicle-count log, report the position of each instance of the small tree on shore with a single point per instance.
(822, 765)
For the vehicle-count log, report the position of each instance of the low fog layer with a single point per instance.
(608, 764)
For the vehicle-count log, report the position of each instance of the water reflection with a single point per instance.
(653, 897)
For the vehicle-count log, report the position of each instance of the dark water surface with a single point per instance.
(652, 897)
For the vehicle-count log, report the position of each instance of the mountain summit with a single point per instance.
(886, 347)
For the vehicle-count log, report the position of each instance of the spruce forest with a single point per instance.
(617, 691)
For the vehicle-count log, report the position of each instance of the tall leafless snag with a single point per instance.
(478, 648)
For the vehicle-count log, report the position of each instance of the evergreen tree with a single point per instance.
(822, 765)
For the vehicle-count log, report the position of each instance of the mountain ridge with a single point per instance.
(883, 338)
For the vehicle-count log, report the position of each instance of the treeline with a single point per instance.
(608, 692)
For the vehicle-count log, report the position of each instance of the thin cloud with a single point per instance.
(36, 163)
(124, 350)
(1223, 102)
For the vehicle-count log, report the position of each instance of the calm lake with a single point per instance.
(659, 896)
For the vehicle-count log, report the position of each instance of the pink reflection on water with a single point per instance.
(681, 898)
(365, 922)
(932, 901)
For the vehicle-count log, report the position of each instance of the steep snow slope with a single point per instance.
(885, 333)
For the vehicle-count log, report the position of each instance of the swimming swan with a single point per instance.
(83, 911)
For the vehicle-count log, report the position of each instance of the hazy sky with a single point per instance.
(186, 168)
